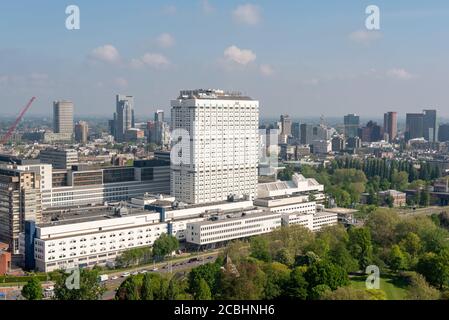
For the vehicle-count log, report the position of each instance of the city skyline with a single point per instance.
(313, 66)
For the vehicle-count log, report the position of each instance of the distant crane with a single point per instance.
(8, 134)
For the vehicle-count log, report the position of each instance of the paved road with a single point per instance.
(167, 267)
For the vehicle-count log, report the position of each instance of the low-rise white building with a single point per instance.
(245, 225)
(93, 239)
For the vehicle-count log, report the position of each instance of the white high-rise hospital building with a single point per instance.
(224, 140)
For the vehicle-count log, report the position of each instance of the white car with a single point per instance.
(135, 273)
(114, 278)
(126, 274)
(143, 271)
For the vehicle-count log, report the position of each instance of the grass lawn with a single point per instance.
(394, 288)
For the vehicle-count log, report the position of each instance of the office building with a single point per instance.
(286, 125)
(371, 132)
(158, 133)
(159, 116)
(354, 143)
(93, 238)
(63, 117)
(430, 128)
(123, 117)
(351, 125)
(5, 259)
(414, 126)
(220, 158)
(81, 132)
(391, 125)
(443, 132)
(321, 146)
(20, 199)
(84, 186)
(338, 143)
(59, 158)
(310, 133)
(296, 132)
(235, 227)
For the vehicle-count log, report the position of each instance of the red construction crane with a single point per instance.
(13, 127)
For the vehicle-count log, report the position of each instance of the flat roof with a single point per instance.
(243, 215)
(93, 215)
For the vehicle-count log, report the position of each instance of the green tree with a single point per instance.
(326, 273)
(382, 224)
(435, 268)
(277, 276)
(424, 198)
(130, 289)
(32, 290)
(165, 245)
(360, 246)
(397, 259)
(203, 291)
(210, 272)
(285, 257)
(399, 180)
(89, 287)
(341, 256)
(260, 248)
(296, 287)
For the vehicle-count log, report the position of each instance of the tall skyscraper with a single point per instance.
(414, 126)
(306, 133)
(63, 117)
(159, 116)
(286, 125)
(124, 116)
(391, 125)
(430, 125)
(443, 132)
(219, 159)
(351, 123)
(20, 198)
(296, 131)
(81, 132)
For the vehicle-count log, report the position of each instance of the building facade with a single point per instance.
(391, 125)
(63, 117)
(218, 155)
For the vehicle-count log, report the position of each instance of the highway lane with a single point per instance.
(116, 279)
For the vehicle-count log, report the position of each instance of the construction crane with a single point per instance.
(8, 134)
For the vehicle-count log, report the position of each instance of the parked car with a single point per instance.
(126, 274)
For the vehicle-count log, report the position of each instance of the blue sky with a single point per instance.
(304, 58)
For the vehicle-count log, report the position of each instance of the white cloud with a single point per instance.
(153, 60)
(240, 56)
(165, 40)
(207, 7)
(364, 36)
(107, 53)
(247, 14)
(400, 74)
(266, 70)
